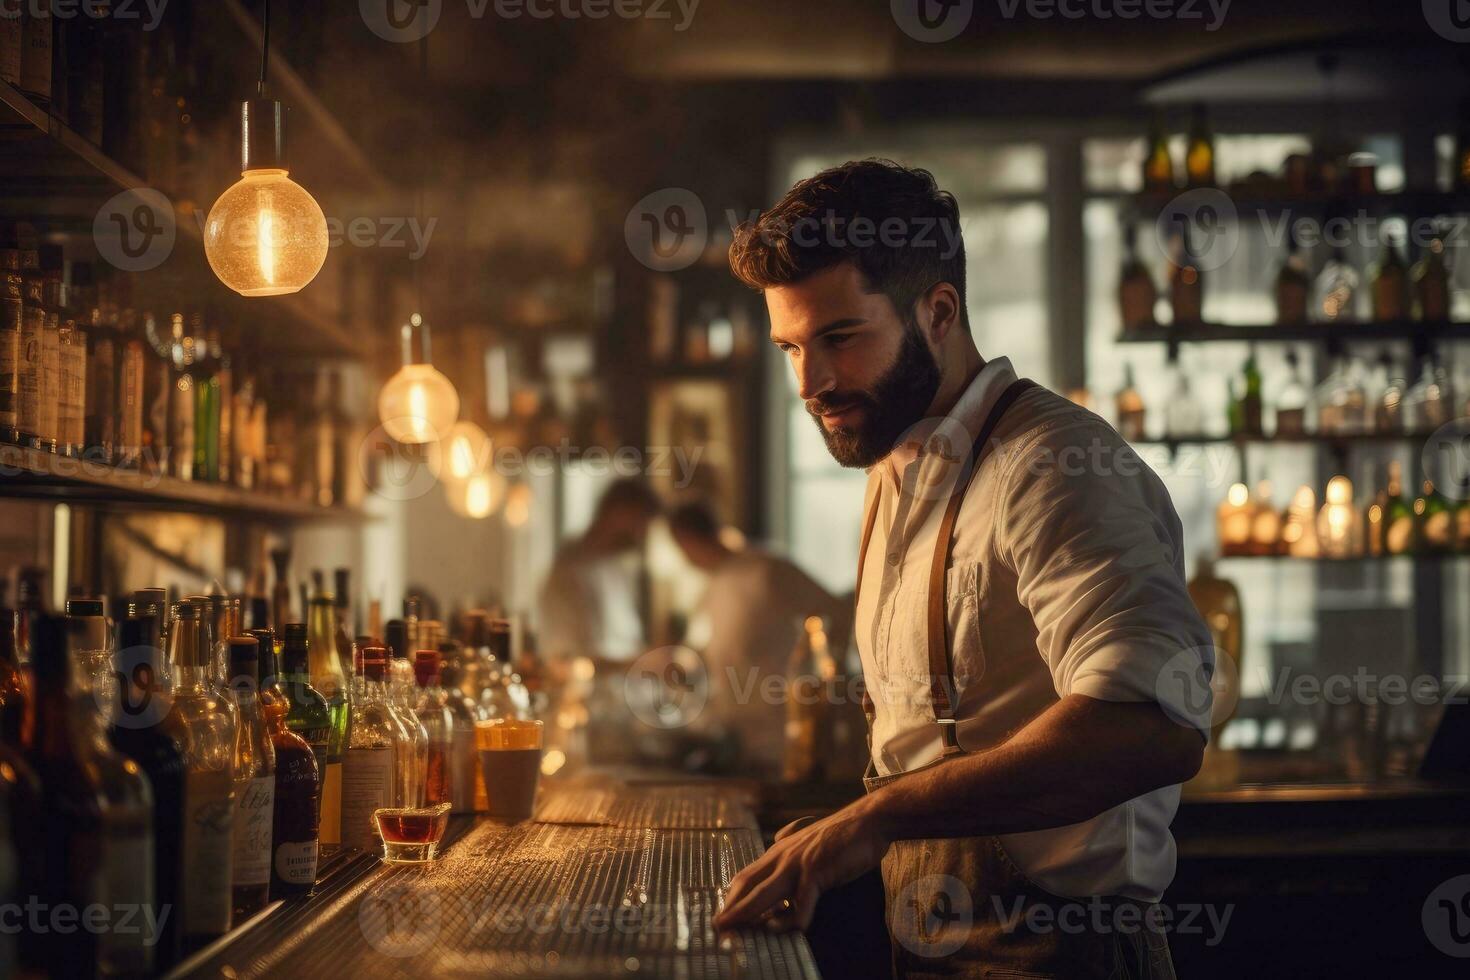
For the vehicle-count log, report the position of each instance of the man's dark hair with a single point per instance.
(629, 492)
(894, 223)
(696, 519)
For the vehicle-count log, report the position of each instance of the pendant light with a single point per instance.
(418, 404)
(467, 451)
(265, 236)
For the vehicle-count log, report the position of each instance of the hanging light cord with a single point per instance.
(265, 44)
(418, 279)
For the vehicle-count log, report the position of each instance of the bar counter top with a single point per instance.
(609, 879)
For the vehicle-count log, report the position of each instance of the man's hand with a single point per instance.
(781, 887)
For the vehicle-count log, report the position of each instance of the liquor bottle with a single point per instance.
(1335, 291)
(91, 658)
(75, 805)
(1293, 285)
(1218, 602)
(1234, 519)
(507, 696)
(1388, 413)
(1342, 402)
(158, 388)
(205, 896)
(28, 383)
(1429, 403)
(1199, 156)
(50, 386)
(1299, 525)
(1398, 523)
(146, 731)
(328, 678)
(255, 784)
(16, 704)
(129, 394)
(294, 843)
(1390, 285)
(1245, 402)
(281, 593)
(1137, 295)
(1436, 520)
(346, 626)
(126, 869)
(401, 692)
(1265, 534)
(1339, 525)
(98, 317)
(1291, 404)
(183, 434)
(1158, 165)
(224, 381)
(324, 436)
(376, 771)
(71, 388)
(464, 766)
(12, 314)
(1186, 279)
(24, 837)
(433, 713)
(37, 37)
(206, 404)
(1130, 408)
(804, 758)
(1431, 283)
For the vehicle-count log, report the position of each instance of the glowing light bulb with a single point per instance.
(518, 505)
(418, 405)
(266, 236)
(467, 451)
(478, 497)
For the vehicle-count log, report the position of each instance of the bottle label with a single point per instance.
(130, 401)
(1438, 530)
(296, 862)
(464, 767)
(254, 808)
(50, 382)
(9, 369)
(330, 830)
(127, 880)
(208, 815)
(28, 373)
(367, 785)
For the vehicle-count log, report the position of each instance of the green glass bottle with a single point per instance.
(1436, 521)
(309, 715)
(330, 679)
(206, 406)
(1398, 514)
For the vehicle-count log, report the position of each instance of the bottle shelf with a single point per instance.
(1335, 442)
(55, 174)
(1264, 204)
(1409, 331)
(1419, 557)
(32, 473)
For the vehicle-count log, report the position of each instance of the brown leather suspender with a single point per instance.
(941, 661)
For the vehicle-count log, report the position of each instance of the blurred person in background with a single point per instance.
(747, 624)
(591, 605)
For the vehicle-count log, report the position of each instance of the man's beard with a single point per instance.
(898, 400)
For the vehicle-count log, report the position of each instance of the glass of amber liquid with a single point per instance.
(510, 761)
(411, 835)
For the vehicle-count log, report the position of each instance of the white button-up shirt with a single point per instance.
(1066, 577)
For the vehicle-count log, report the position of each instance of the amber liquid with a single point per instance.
(413, 827)
(436, 781)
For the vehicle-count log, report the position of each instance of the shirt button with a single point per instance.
(893, 558)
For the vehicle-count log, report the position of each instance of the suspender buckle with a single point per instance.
(950, 736)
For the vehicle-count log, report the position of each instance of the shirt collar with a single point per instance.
(950, 437)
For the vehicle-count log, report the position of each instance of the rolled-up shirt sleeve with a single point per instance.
(1096, 546)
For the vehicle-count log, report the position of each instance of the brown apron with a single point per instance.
(959, 907)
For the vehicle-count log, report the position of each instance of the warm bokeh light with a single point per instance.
(266, 236)
(518, 505)
(476, 498)
(418, 404)
(467, 451)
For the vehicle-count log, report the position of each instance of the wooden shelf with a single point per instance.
(1408, 331)
(35, 474)
(1423, 557)
(1250, 202)
(1336, 442)
(42, 157)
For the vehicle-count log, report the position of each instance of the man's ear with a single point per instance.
(939, 312)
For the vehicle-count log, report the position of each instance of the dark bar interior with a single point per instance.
(734, 488)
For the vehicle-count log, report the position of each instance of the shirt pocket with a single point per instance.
(962, 600)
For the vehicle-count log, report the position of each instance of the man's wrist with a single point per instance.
(874, 816)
